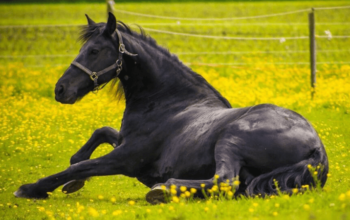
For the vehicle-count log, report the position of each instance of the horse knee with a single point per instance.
(104, 131)
(108, 134)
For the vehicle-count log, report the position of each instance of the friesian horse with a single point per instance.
(177, 129)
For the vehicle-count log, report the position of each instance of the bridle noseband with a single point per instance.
(118, 64)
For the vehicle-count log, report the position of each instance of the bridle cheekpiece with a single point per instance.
(118, 65)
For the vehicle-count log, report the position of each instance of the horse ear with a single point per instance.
(111, 24)
(90, 22)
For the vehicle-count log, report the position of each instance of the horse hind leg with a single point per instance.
(102, 135)
(290, 177)
(228, 166)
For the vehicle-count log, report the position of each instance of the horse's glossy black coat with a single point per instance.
(177, 129)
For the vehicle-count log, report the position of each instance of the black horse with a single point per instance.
(177, 129)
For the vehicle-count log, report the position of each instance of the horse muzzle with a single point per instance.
(65, 96)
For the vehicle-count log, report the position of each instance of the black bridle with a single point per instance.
(118, 65)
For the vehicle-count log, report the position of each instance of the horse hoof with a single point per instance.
(30, 191)
(20, 194)
(73, 186)
(156, 196)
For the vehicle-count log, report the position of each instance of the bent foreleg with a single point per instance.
(100, 136)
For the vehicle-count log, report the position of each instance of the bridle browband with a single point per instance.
(118, 64)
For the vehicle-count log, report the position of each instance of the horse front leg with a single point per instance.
(100, 136)
(119, 161)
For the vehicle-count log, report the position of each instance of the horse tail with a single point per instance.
(312, 172)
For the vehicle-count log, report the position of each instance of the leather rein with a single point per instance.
(118, 65)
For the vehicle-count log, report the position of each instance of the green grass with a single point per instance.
(38, 135)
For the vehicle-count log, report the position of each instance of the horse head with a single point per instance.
(99, 61)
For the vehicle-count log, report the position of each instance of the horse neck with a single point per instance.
(158, 76)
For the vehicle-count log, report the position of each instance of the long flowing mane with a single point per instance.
(90, 31)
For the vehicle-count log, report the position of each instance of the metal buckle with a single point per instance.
(122, 48)
(119, 63)
(93, 76)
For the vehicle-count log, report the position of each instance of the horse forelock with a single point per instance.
(89, 31)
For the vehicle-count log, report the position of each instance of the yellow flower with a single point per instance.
(176, 199)
(295, 190)
(80, 208)
(206, 209)
(202, 185)
(117, 212)
(183, 188)
(188, 194)
(277, 205)
(342, 197)
(163, 187)
(41, 209)
(193, 190)
(148, 210)
(93, 212)
(305, 186)
(236, 183)
(306, 207)
(216, 176)
(223, 188)
(113, 199)
(348, 194)
(131, 202)
(275, 213)
(100, 197)
(173, 191)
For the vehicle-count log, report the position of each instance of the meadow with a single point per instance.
(38, 135)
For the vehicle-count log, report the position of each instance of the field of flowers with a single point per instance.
(38, 135)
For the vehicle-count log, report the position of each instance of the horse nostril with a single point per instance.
(60, 90)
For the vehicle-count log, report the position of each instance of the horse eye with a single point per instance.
(94, 51)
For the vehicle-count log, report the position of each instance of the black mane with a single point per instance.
(90, 31)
